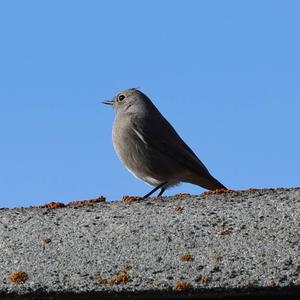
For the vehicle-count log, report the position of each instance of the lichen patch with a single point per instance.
(53, 205)
(181, 285)
(129, 199)
(18, 277)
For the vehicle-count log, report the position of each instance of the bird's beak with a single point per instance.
(109, 102)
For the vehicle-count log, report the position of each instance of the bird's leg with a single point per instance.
(155, 189)
(161, 192)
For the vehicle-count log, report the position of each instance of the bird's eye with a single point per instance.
(121, 97)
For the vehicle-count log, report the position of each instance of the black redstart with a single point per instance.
(150, 147)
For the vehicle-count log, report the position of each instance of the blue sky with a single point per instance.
(225, 73)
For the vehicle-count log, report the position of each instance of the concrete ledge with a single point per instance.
(243, 243)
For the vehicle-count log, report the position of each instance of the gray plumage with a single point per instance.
(151, 148)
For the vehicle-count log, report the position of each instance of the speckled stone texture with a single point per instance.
(237, 243)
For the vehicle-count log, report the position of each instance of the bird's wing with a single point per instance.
(159, 134)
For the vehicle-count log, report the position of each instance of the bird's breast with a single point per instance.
(144, 160)
(127, 144)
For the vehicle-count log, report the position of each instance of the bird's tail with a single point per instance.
(210, 183)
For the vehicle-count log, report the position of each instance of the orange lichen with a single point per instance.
(216, 258)
(18, 277)
(297, 282)
(218, 191)
(224, 231)
(181, 285)
(46, 240)
(86, 202)
(128, 199)
(252, 190)
(203, 279)
(178, 208)
(121, 277)
(53, 205)
(101, 280)
(186, 257)
(118, 278)
(182, 195)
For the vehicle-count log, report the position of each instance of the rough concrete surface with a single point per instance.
(239, 243)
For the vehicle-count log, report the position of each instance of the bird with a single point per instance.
(151, 149)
